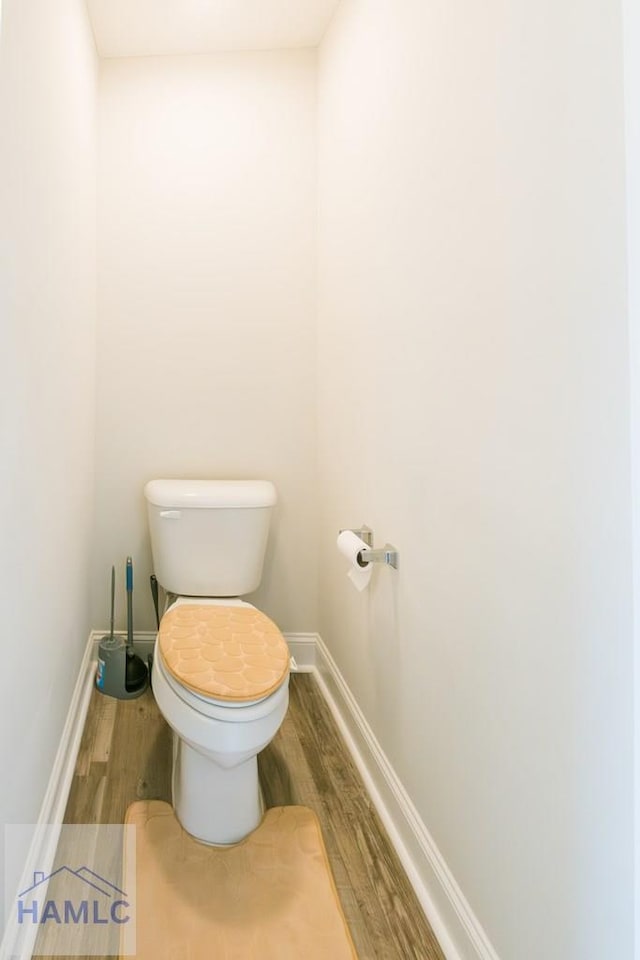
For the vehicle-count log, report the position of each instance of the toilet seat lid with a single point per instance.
(232, 653)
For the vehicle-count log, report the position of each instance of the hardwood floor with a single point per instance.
(125, 755)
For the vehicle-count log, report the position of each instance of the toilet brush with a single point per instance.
(137, 675)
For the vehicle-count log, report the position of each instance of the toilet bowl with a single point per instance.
(221, 667)
(215, 787)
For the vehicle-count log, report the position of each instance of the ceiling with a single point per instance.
(139, 28)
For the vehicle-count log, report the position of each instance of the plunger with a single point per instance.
(136, 675)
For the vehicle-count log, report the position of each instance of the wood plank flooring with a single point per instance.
(125, 755)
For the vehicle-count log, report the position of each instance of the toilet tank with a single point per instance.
(208, 537)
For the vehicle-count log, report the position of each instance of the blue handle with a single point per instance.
(129, 575)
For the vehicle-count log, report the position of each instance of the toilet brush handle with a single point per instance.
(130, 603)
(113, 602)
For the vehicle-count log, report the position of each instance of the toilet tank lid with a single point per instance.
(211, 493)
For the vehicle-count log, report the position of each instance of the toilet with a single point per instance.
(221, 667)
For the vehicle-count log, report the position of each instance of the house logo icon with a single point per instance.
(70, 897)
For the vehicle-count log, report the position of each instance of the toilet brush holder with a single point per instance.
(112, 678)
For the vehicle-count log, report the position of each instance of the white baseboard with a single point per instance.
(302, 647)
(457, 928)
(18, 941)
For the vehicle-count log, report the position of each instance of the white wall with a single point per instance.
(631, 21)
(207, 302)
(48, 75)
(473, 409)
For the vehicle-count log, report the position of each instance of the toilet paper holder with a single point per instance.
(387, 554)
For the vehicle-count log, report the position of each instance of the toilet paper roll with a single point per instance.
(350, 546)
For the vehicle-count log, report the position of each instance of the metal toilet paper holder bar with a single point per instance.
(387, 554)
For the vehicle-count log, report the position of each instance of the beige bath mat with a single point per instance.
(270, 897)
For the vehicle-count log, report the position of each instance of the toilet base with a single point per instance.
(215, 804)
